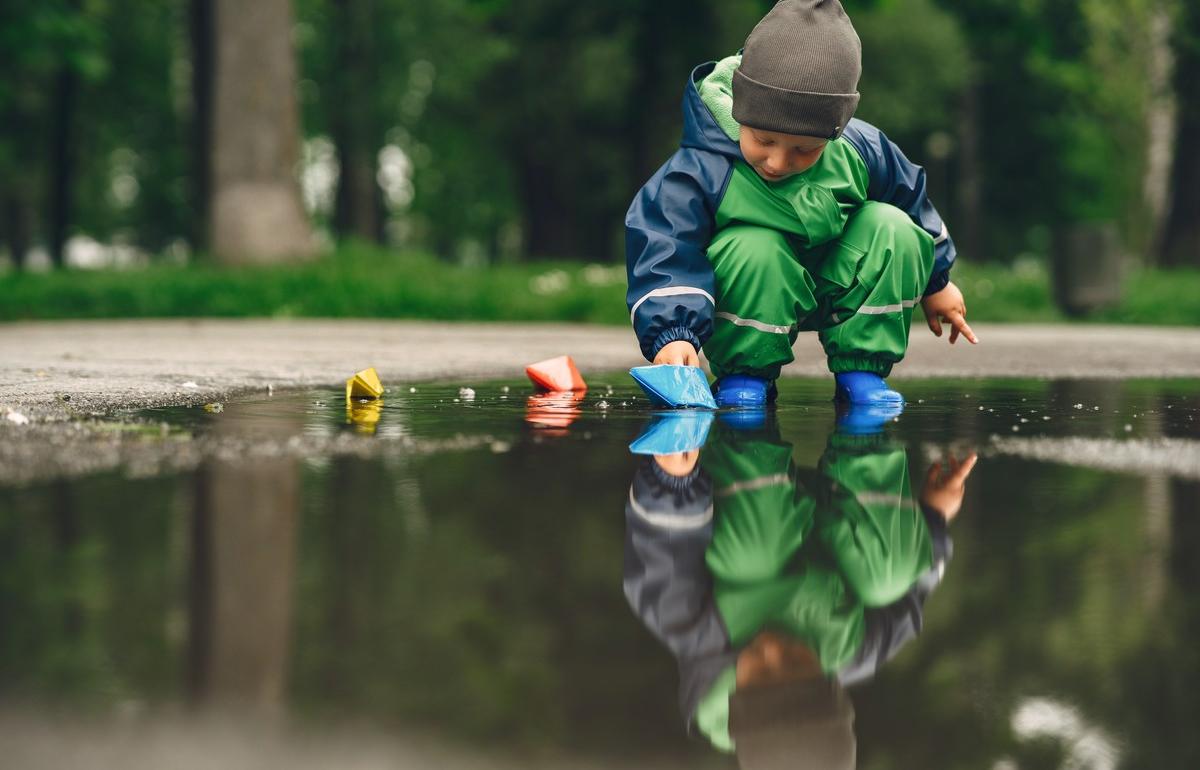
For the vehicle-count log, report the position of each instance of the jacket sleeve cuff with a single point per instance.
(671, 335)
(937, 283)
(674, 484)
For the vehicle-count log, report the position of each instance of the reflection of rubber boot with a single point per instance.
(673, 432)
(865, 419)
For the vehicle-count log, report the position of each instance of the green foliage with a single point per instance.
(916, 63)
(365, 281)
(1063, 98)
(357, 281)
(527, 125)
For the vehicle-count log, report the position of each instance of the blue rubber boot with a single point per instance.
(864, 389)
(743, 391)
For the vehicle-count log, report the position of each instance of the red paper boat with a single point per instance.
(556, 374)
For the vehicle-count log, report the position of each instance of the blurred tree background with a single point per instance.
(493, 131)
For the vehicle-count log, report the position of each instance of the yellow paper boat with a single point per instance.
(364, 384)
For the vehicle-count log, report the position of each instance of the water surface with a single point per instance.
(460, 570)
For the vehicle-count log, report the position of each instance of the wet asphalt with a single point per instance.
(61, 383)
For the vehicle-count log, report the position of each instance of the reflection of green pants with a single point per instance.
(858, 291)
(871, 525)
(762, 520)
(808, 560)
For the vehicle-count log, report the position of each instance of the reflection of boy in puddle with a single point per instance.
(774, 586)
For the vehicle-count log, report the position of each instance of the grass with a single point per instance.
(362, 281)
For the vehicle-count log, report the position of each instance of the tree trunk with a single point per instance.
(352, 120)
(203, 38)
(1181, 237)
(256, 210)
(967, 236)
(62, 161)
(16, 229)
(1160, 130)
(549, 227)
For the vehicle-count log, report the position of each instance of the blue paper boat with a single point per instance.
(674, 386)
(674, 432)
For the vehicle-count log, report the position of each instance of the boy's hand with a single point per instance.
(944, 487)
(948, 305)
(678, 353)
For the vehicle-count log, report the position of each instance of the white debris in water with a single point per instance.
(1128, 427)
(500, 447)
(189, 384)
(609, 390)
(981, 407)
(1095, 409)
(270, 389)
(1024, 420)
(1045, 417)
(1138, 455)
(1016, 428)
(920, 400)
(412, 390)
(624, 403)
(215, 408)
(16, 418)
(503, 388)
(466, 394)
(1079, 406)
(602, 405)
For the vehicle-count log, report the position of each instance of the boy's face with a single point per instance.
(775, 156)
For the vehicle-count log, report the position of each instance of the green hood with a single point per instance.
(716, 91)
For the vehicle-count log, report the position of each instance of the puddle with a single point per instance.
(498, 571)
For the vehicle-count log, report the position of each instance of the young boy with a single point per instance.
(779, 214)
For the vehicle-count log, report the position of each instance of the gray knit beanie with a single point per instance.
(799, 72)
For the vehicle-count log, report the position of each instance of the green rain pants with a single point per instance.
(858, 291)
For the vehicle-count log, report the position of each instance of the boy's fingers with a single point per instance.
(931, 475)
(935, 325)
(960, 327)
(965, 467)
(966, 332)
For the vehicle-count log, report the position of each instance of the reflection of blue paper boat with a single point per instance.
(674, 386)
(675, 432)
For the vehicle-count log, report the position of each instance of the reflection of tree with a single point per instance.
(245, 547)
(243, 569)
